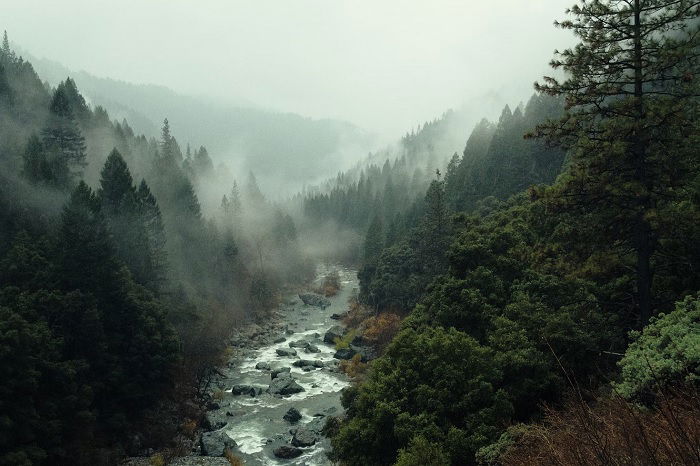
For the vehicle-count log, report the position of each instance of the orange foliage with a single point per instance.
(380, 330)
(354, 368)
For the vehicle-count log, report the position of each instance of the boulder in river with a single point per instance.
(312, 349)
(284, 352)
(299, 344)
(334, 332)
(279, 340)
(284, 385)
(215, 443)
(246, 390)
(292, 415)
(263, 366)
(280, 370)
(313, 299)
(339, 316)
(303, 437)
(287, 452)
(308, 363)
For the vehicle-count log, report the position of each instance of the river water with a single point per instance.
(256, 422)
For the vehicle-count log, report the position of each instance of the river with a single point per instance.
(256, 422)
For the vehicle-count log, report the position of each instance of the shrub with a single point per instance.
(381, 329)
(344, 341)
(665, 352)
(354, 368)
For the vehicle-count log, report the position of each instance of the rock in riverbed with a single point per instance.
(308, 362)
(280, 371)
(334, 332)
(287, 452)
(303, 437)
(263, 366)
(214, 443)
(284, 352)
(292, 415)
(312, 349)
(284, 385)
(246, 390)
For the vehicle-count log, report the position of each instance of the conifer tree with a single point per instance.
(631, 103)
(63, 140)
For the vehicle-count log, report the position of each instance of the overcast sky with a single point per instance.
(384, 65)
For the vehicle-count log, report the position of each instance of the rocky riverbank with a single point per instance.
(270, 402)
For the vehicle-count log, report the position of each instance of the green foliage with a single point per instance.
(344, 341)
(667, 351)
(422, 452)
(432, 383)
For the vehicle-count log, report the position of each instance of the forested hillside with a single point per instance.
(546, 281)
(117, 294)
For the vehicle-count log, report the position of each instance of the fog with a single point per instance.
(384, 66)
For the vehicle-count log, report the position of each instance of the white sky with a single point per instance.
(384, 65)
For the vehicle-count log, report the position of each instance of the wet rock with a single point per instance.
(334, 332)
(303, 437)
(313, 299)
(299, 344)
(366, 353)
(246, 390)
(308, 363)
(287, 452)
(289, 331)
(339, 316)
(284, 385)
(279, 340)
(292, 415)
(284, 352)
(263, 366)
(212, 405)
(213, 421)
(214, 443)
(345, 353)
(312, 349)
(281, 370)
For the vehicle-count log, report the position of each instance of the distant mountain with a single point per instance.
(285, 150)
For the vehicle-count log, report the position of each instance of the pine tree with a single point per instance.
(63, 140)
(7, 55)
(631, 103)
(155, 230)
(374, 240)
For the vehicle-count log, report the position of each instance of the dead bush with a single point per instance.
(614, 432)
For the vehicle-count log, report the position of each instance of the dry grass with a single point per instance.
(614, 432)
(233, 459)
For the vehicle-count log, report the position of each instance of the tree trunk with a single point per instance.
(642, 234)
